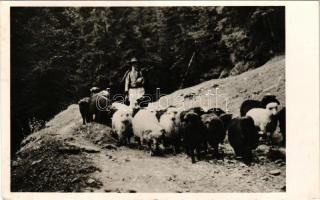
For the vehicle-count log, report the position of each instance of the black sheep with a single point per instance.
(216, 129)
(216, 111)
(215, 132)
(84, 109)
(243, 137)
(193, 133)
(99, 104)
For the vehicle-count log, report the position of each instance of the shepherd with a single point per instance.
(134, 83)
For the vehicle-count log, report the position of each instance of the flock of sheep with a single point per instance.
(194, 129)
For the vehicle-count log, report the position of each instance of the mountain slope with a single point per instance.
(254, 84)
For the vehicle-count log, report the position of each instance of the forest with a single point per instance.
(59, 53)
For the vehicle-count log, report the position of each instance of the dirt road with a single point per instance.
(127, 169)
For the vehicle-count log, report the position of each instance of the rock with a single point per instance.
(189, 96)
(69, 149)
(262, 158)
(238, 157)
(127, 160)
(242, 165)
(110, 146)
(262, 149)
(107, 190)
(277, 153)
(231, 161)
(265, 178)
(90, 150)
(278, 161)
(283, 188)
(35, 162)
(90, 181)
(275, 172)
(74, 180)
(132, 191)
(243, 91)
(220, 161)
(171, 179)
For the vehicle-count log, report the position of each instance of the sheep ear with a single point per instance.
(160, 112)
(135, 110)
(182, 115)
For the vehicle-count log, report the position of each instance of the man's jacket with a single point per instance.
(134, 79)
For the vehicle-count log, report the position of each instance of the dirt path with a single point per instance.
(130, 170)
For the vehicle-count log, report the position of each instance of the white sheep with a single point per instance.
(170, 121)
(122, 123)
(147, 128)
(120, 106)
(264, 120)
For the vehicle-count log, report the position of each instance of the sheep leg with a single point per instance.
(198, 151)
(150, 149)
(192, 155)
(176, 149)
(215, 151)
(205, 148)
(139, 141)
(269, 138)
(248, 157)
(89, 118)
(120, 141)
(176, 145)
(83, 119)
(187, 149)
(128, 140)
(283, 143)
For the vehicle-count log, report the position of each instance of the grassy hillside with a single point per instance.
(253, 84)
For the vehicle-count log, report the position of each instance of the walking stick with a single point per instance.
(186, 72)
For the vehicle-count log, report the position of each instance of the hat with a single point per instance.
(94, 89)
(133, 60)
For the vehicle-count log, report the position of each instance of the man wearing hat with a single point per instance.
(134, 83)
